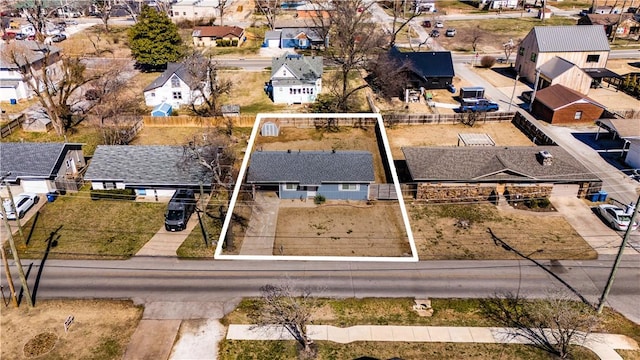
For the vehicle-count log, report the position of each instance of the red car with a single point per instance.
(426, 24)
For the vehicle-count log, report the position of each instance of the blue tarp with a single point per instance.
(163, 109)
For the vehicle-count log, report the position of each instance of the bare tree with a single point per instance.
(285, 306)
(104, 8)
(270, 9)
(53, 79)
(37, 15)
(222, 7)
(206, 85)
(508, 48)
(214, 153)
(476, 36)
(354, 40)
(400, 19)
(387, 76)
(551, 324)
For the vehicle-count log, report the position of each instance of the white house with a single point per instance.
(633, 155)
(173, 87)
(498, 4)
(295, 79)
(425, 6)
(30, 57)
(195, 9)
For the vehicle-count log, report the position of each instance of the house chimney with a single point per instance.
(545, 158)
(289, 151)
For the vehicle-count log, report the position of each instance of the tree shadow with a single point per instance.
(634, 64)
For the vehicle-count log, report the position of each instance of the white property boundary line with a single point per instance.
(236, 191)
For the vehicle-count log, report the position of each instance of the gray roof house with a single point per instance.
(514, 166)
(586, 46)
(341, 175)
(144, 168)
(41, 167)
(174, 86)
(295, 79)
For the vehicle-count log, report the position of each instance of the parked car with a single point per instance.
(58, 37)
(584, 12)
(450, 33)
(526, 96)
(439, 24)
(616, 217)
(426, 24)
(478, 105)
(21, 36)
(179, 210)
(23, 203)
(71, 22)
(451, 88)
(434, 33)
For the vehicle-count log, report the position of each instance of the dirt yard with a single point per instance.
(439, 234)
(101, 329)
(504, 134)
(291, 138)
(341, 229)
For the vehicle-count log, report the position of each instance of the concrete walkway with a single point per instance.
(261, 233)
(603, 345)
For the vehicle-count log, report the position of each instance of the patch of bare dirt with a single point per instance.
(503, 133)
(353, 229)
(101, 329)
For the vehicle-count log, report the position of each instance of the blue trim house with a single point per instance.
(336, 175)
(294, 38)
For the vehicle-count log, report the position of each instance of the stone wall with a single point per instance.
(439, 193)
(523, 192)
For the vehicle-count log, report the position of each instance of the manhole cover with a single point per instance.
(40, 344)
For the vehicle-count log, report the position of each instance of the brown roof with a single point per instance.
(557, 96)
(625, 128)
(607, 19)
(217, 31)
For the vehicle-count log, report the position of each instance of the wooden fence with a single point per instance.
(197, 121)
(422, 119)
(8, 128)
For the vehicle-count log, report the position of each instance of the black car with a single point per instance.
(434, 33)
(58, 37)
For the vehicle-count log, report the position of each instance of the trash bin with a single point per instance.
(602, 195)
(594, 197)
(51, 196)
(13, 101)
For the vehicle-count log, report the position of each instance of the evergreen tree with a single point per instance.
(154, 40)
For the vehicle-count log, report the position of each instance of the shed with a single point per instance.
(269, 129)
(37, 121)
(563, 72)
(163, 109)
(559, 104)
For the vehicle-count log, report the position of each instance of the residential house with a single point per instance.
(425, 69)
(424, 6)
(42, 167)
(633, 154)
(175, 86)
(606, 9)
(561, 71)
(208, 36)
(272, 39)
(294, 35)
(629, 131)
(624, 25)
(480, 173)
(497, 4)
(30, 58)
(194, 10)
(295, 79)
(313, 10)
(339, 175)
(151, 170)
(586, 46)
(558, 104)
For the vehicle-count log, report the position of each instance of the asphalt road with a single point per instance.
(167, 279)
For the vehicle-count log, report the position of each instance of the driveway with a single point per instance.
(603, 239)
(261, 233)
(42, 199)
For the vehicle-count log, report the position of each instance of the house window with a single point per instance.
(349, 187)
(68, 164)
(153, 94)
(290, 91)
(521, 51)
(311, 90)
(184, 13)
(290, 187)
(578, 115)
(196, 14)
(175, 82)
(593, 58)
(534, 56)
(109, 185)
(177, 95)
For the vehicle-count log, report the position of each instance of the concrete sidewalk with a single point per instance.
(603, 345)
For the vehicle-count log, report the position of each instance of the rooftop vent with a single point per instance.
(545, 157)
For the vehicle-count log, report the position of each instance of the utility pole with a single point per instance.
(16, 258)
(13, 206)
(12, 290)
(514, 91)
(535, 89)
(616, 263)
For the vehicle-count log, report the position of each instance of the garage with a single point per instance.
(565, 190)
(36, 186)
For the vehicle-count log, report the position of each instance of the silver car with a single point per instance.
(23, 202)
(616, 217)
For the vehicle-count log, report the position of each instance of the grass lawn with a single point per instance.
(92, 229)
(194, 246)
(83, 133)
(94, 41)
(374, 311)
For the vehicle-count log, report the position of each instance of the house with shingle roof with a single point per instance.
(425, 69)
(153, 170)
(338, 175)
(558, 104)
(624, 25)
(295, 79)
(13, 85)
(475, 173)
(174, 86)
(217, 36)
(586, 46)
(564, 72)
(42, 167)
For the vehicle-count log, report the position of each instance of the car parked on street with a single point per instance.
(450, 33)
(426, 24)
(58, 37)
(23, 203)
(616, 217)
(439, 24)
(434, 33)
